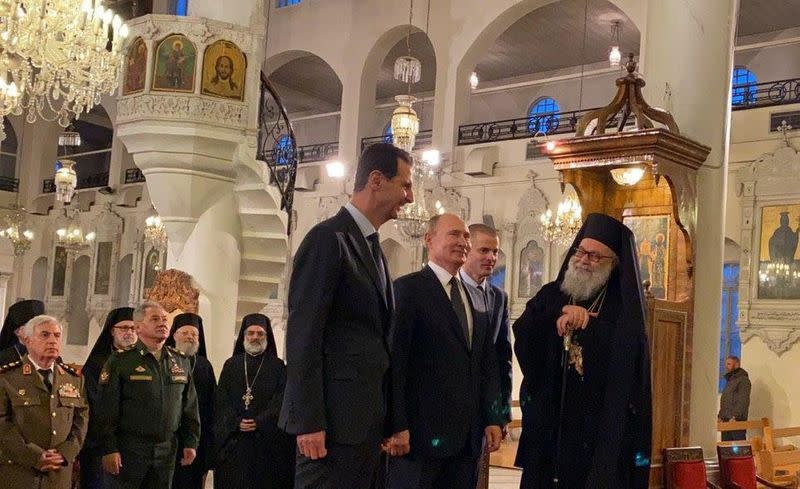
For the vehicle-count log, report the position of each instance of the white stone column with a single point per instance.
(688, 44)
(4, 276)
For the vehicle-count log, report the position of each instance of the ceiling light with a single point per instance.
(432, 157)
(335, 169)
(627, 176)
(473, 80)
(615, 56)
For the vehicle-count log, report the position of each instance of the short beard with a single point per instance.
(255, 348)
(124, 343)
(582, 285)
(189, 349)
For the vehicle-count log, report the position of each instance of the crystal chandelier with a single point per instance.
(54, 57)
(71, 236)
(16, 231)
(563, 228)
(407, 69)
(412, 220)
(405, 123)
(154, 232)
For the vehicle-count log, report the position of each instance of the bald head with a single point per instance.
(447, 241)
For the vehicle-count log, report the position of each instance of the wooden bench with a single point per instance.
(779, 462)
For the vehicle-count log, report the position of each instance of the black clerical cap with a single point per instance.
(259, 320)
(18, 314)
(105, 342)
(606, 230)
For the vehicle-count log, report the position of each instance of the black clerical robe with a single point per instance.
(587, 457)
(191, 476)
(264, 458)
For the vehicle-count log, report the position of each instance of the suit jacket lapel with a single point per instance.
(437, 290)
(359, 243)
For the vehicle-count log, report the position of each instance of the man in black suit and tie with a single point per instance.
(444, 369)
(340, 308)
(481, 260)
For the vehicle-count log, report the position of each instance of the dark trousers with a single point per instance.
(457, 472)
(345, 466)
(734, 435)
(145, 466)
(92, 474)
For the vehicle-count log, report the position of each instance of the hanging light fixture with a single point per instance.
(55, 60)
(473, 80)
(16, 231)
(407, 69)
(71, 235)
(562, 228)
(627, 176)
(66, 179)
(154, 232)
(615, 56)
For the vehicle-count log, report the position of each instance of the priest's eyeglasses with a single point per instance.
(579, 253)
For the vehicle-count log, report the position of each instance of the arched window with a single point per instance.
(387, 133)
(744, 90)
(282, 151)
(542, 115)
(181, 7)
(286, 3)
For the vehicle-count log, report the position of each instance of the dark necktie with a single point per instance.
(377, 255)
(46, 378)
(460, 309)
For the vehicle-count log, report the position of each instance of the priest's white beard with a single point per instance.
(256, 348)
(582, 284)
(190, 349)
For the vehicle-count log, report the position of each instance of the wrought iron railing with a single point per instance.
(89, 181)
(279, 154)
(527, 127)
(767, 94)
(309, 153)
(9, 184)
(134, 175)
(423, 140)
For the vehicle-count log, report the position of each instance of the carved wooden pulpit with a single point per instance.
(646, 177)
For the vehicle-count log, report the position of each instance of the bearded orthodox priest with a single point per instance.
(253, 453)
(583, 351)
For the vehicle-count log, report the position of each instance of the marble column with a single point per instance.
(687, 48)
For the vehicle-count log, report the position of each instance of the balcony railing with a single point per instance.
(134, 175)
(526, 127)
(89, 181)
(766, 94)
(309, 153)
(9, 184)
(423, 140)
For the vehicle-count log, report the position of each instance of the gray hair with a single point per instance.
(141, 310)
(29, 328)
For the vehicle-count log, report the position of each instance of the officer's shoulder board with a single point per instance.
(10, 366)
(68, 369)
(176, 351)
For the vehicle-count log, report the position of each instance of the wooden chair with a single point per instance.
(737, 469)
(684, 468)
(757, 425)
(779, 462)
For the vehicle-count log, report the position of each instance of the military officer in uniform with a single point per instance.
(147, 407)
(43, 412)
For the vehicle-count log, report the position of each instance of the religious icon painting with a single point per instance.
(779, 254)
(175, 60)
(135, 67)
(531, 270)
(224, 71)
(652, 246)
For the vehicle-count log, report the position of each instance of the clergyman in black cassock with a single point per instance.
(11, 350)
(601, 436)
(193, 476)
(91, 456)
(253, 453)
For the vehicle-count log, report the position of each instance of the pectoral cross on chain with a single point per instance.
(247, 398)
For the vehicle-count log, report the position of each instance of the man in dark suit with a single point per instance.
(444, 369)
(481, 260)
(340, 307)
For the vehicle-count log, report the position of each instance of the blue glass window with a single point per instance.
(286, 3)
(744, 90)
(282, 151)
(181, 7)
(730, 343)
(387, 133)
(542, 116)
